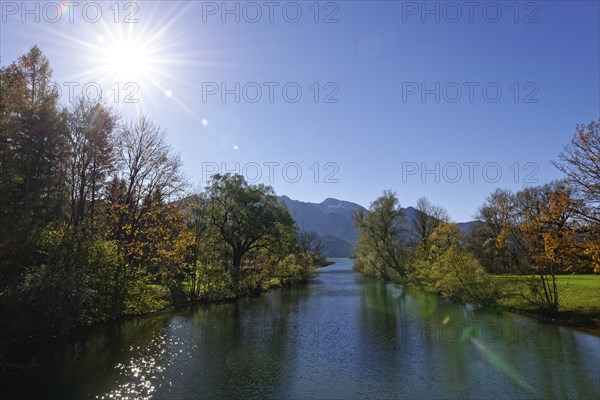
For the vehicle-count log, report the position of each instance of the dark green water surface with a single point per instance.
(341, 336)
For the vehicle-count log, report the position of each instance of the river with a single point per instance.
(340, 336)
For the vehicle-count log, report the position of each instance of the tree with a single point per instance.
(205, 265)
(498, 242)
(580, 162)
(445, 236)
(458, 276)
(247, 218)
(551, 241)
(308, 242)
(424, 223)
(310, 248)
(141, 221)
(32, 147)
(382, 241)
(91, 156)
(41, 142)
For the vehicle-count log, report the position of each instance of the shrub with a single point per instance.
(458, 276)
(294, 268)
(143, 297)
(70, 286)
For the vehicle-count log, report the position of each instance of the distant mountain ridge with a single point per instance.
(332, 220)
(330, 217)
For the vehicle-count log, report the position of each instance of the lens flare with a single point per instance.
(502, 366)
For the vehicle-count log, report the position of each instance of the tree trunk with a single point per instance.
(237, 262)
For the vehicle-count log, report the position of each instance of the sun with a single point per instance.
(128, 61)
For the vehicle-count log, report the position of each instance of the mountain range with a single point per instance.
(332, 220)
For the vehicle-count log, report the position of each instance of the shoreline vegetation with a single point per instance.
(99, 221)
(580, 301)
(326, 263)
(41, 340)
(531, 252)
(586, 321)
(581, 312)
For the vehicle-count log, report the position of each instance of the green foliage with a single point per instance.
(33, 144)
(143, 297)
(458, 276)
(71, 285)
(248, 219)
(382, 248)
(294, 268)
(446, 268)
(578, 293)
(214, 283)
(242, 241)
(420, 268)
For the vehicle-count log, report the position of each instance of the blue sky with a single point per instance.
(362, 123)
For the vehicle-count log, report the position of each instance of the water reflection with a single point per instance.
(144, 372)
(478, 353)
(341, 336)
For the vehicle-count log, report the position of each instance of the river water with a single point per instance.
(341, 336)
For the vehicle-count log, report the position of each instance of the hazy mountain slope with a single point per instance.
(332, 220)
(330, 217)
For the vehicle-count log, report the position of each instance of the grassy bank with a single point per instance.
(579, 299)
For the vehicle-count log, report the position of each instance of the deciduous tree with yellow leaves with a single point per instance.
(580, 162)
(552, 240)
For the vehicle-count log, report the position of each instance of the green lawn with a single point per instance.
(578, 293)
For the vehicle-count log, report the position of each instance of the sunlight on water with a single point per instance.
(146, 370)
(340, 336)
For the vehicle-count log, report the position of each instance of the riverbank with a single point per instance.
(579, 300)
(338, 337)
(586, 322)
(326, 263)
(174, 298)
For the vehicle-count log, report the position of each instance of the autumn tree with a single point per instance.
(40, 141)
(32, 146)
(149, 175)
(550, 236)
(580, 162)
(428, 217)
(445, 236)
(498, 242)
(60, 275)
